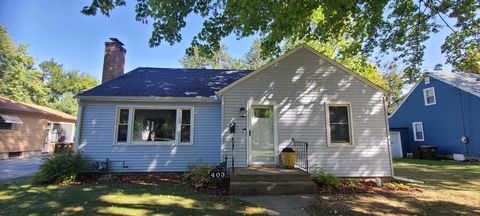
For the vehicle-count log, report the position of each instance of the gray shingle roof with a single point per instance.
(168, 82)
(468, 82)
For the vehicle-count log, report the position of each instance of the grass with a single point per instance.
(451, 188)
(18, 197)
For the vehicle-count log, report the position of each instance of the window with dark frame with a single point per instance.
(6, 126)
(339, 124)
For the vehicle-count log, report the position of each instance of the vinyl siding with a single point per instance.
(97, 135)
(300, 85)
(442, 122)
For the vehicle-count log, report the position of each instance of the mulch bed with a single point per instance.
(148, 178)
(365, 186)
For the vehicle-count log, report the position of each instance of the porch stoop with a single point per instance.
(270, 181)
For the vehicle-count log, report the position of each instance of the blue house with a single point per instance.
(443, 109)
(164, 119)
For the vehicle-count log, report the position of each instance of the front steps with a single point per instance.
(270, 181)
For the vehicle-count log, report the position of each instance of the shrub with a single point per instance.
(397, 186)
(326, 179)
(354, 184)
(108, 177)
(61, 168)
(199, 175)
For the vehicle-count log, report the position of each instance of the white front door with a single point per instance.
(262, 141)
(396, 144)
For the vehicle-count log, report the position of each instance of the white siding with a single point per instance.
(300, 84)
(97, 135)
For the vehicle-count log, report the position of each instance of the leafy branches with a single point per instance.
(398, 26)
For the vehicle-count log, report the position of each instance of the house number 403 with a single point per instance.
(217, 175)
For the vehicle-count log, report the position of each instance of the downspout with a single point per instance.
(387, 128)
(78, 126)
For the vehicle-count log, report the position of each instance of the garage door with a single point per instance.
(396, 144)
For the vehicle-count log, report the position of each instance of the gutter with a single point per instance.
(149, 99)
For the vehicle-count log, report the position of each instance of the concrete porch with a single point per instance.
(270, 181)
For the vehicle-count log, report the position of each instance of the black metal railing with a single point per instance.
(301, 150)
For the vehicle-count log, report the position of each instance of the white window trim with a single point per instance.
(425, 96)
(415, 131)
(350, 123)
(131, 116)
(11, 129)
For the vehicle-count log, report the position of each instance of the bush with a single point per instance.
(326, 179)
(396, 186)
(61, 168)
(354, 184)
(199, 175)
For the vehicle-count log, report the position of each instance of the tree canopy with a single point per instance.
(49, 85)
(375, 26)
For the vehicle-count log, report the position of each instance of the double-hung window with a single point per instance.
(339, 124)
(429, 96)
(155, 125)
(418, 131)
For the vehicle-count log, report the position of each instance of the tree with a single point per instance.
(253, 59)
(19, 80)
(219, 60)
(63, 84)
(400, 26)
(50, 85)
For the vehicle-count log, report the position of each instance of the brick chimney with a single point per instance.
(114, 61)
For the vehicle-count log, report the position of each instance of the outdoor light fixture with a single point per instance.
(242, 112)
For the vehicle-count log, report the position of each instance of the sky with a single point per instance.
(56, 29)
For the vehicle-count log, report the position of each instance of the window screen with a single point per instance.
(122, 129)
(339, 124)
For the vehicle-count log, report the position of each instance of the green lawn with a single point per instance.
(451, 188)
(17, 197)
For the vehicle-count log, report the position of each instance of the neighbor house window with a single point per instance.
(6, 126)
(418, 131)
(339, 124)
(429, 96)
(152, 125)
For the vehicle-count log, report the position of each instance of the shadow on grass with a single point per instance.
(20, 198)
(370, 204)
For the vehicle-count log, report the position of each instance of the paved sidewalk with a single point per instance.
(14, 168)
(282, 204)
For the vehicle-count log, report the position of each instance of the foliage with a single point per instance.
(221, 60)
(199, 175)
(108, 177)
(396, 186)
(326, 179)
(19, 80)
(354, 184)
(385, 26)
(50, 85)
(394, 88)
(60, 168)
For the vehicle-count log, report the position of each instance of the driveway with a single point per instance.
(14, 168)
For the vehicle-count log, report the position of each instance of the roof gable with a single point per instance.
(8, 104)
(468, 82)
(296, 49)
(464, 81)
